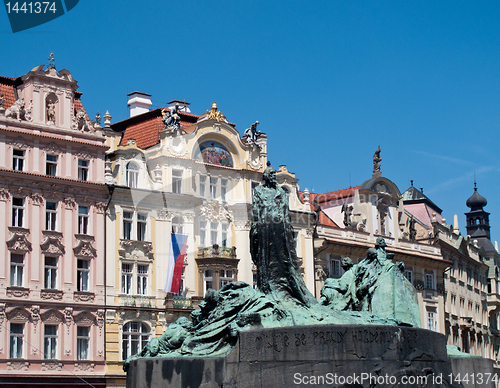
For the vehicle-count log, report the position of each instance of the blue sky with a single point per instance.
(328, 81)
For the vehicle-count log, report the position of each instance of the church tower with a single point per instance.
(478, 224)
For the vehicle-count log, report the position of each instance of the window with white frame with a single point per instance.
(177, 181)
(50, 272)
(18, 160)
(50, 215)
(82, 342)
(142, 279)
(135, 337)
(132, 175)
(51, 165)
(429, 281)
(335, 267)
(203, 233)
(208, 280)
(16, 270)
(223, 189)
(83, 170)
(16, 340)
(409, 275)
(82, 275)
(17, 212)
(128, 219)
(213, 188)
(177, 225)
(225, 276)
(127, 273)
(50, 342)
(214, 233)
(83, 219)
(431, 320)
(225, 229)
(203, 185)
(141, 226)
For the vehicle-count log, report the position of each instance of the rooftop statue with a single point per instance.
(251, 134)
(171, 119)
(376, 161)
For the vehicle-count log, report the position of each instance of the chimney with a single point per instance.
(139, 103)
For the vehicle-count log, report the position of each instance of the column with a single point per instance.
(242, 243)
(190, 271)
(309, 260)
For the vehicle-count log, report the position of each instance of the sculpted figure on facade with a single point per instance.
(376, 161)
(16, 111)
(171, 118)
(51, 111)
(251, 134)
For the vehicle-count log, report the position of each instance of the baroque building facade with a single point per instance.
(52, 196)
(170, 171)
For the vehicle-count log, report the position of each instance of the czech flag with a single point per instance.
(175, 262)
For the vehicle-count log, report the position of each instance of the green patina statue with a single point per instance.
(374, 291)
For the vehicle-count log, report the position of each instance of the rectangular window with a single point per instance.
(82, 275)
(177, 181)
(208, 280)
(223, 189)
(18, 160)
(16, 270)
(16, 340)
(83, 219)
(141, 226)
(225, 276)
(225, 228)
(142, 279)
(82, 342)
(127, 225)
(409, 276)
(127, 278)
(50, 215)
(254, 185)
(213, 188)
(51, 273)
(203, 185)
(50, 342)
(429, 281)
(51, 165)
(431, 320)
(17, 212)
(214, 236)
(83, 170)
(203, 233)
(335, 267)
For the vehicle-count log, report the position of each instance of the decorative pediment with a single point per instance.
(84, 247)
(136, 250)
(18, 241)
(83, 153)
(19, 143)
(52, 148)
(52, 316)
(52, 244)
(19, 315)
(84, 318)
(214, 211)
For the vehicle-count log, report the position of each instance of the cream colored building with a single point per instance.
(197, 180)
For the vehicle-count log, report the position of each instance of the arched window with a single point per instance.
(132, 175)
(135, 337)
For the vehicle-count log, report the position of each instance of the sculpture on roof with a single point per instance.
(214, 114)
(376, 161)
(16, 111)
(347, 210)
(251, 134)
(171, 118)
(50, 63)
(272, 245)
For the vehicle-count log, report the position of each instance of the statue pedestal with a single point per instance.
(320, 355)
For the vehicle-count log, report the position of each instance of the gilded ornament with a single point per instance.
(214, 114)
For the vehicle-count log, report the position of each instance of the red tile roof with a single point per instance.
(335, 195)
(7, 87)
(146, 133)
(79, 105)
(323, 217)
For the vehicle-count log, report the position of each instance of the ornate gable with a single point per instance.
(19, 315)
(84, 248)
(18, 241)
(52, 244)
(85, 318)
(52, 316)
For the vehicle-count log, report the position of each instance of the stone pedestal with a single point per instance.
(319, 355)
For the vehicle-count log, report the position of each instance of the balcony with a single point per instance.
(137, 301)
(215, 251)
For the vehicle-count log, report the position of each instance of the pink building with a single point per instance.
(52, 197)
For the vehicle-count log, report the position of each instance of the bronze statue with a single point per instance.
(376, 161)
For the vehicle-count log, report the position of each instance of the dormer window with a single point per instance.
(132, 175)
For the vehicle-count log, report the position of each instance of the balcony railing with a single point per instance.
(180, 302)
(138, 300)
(217, 251)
